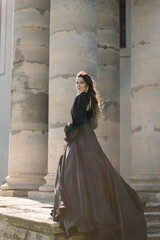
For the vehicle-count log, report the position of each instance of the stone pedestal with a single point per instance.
(108, 77)
(145, 99)
(29, 101)
(73, 47)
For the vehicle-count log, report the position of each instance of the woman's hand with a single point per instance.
(65, 145)
(69, 123)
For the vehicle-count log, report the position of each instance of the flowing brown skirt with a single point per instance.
(92, 197)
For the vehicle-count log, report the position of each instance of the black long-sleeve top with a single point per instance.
(79, 115)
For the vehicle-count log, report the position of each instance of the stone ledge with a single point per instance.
(26, 219)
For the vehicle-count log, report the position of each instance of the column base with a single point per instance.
(13, 193)
(23, 183)
(50, 183)
(46, 191)
(147, 186)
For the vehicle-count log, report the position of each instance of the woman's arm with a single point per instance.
(80, 105)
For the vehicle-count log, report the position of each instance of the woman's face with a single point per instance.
(81, 85)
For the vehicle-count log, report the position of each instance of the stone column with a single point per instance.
(108, 62)
(29, 100)
(145, 98)
(73, 47)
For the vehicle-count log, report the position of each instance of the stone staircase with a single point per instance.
(152, 215)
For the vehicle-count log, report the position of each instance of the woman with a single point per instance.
(90, 196)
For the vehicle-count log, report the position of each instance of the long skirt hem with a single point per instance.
(91, 197)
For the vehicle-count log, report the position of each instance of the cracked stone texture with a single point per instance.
(108, 55)
(29, 96)
(73, 47)
(145, 96)
(26, 219)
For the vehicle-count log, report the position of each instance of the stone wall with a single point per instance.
(25, 219)
(21, 229)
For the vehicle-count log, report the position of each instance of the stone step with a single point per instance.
(154, 236)
(152, 207)
(152, 217)
(153, 227)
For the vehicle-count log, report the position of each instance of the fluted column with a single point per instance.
(145, 98)
(108, 77)
(29, 100)
(73, 47)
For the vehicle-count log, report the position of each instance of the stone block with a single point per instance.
(42, 4)
(38, 236)
(15, 232)
(12, 193)
(41, 195)
(33, 76)
(108, 129)
(110, 147)
(144, 115)
(84, 13)
(145, 152)
(31, 17)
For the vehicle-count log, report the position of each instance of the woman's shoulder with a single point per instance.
(82, 98)
(82, 95)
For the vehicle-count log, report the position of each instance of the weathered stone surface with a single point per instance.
(40, 4)
(108, 129)
(31, 17)
(73, 47)
(60, 116)
(145, 92)
(25, 219)
(30, 107)
(29, 101)
(142, 105)
(63, 12)
(12, 193)
(108, 77)
(111, 147)
(43, 194)
(34, 236)
(152, 215)
(149, 163)
(31, 168)
(55, 148)
(14, 232)
(30, 76)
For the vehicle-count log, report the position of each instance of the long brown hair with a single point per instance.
(95, 100)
